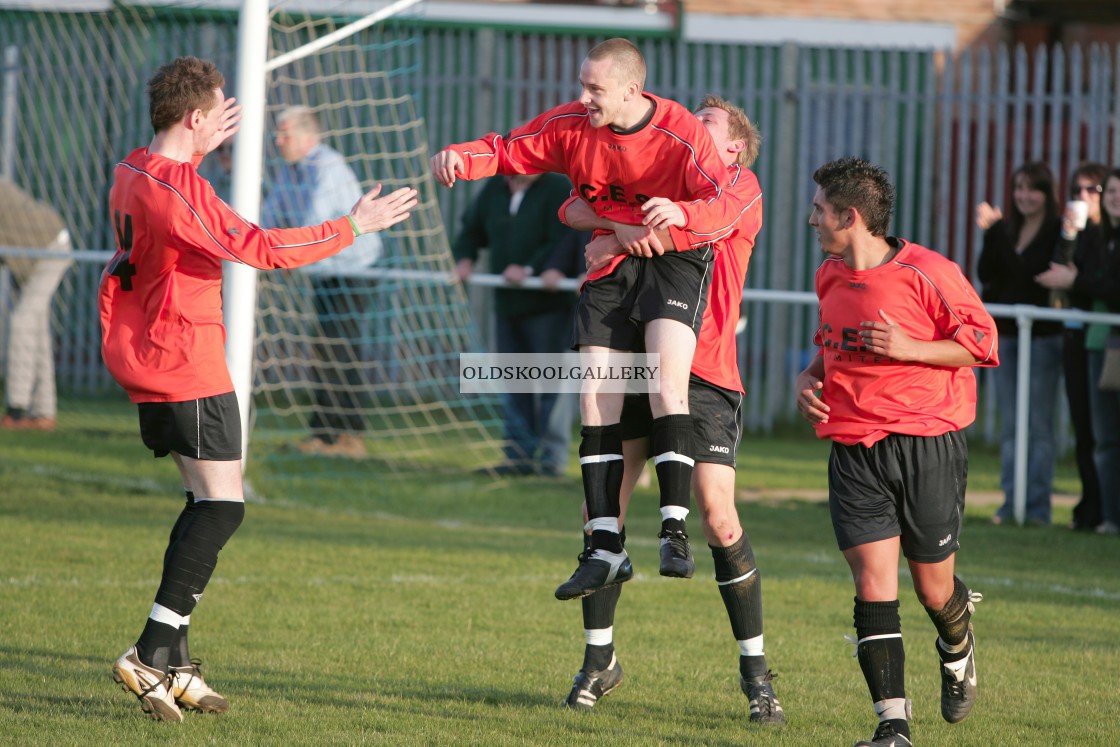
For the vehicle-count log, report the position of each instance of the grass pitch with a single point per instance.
(420, 612)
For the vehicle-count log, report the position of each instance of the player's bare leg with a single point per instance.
(605, 562)
(740, 584)
(671, 440)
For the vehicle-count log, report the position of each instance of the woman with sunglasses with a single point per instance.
(1092, 278)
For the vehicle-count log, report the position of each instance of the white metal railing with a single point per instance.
(1024, 315)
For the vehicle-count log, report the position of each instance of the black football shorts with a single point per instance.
(910, 487)
(612, 310)
(208, 429)
(717, 420)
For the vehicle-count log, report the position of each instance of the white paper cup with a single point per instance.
(1078, 212)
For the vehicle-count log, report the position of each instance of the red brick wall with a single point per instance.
(975, 20)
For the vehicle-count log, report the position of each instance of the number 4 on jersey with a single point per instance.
(121, 267)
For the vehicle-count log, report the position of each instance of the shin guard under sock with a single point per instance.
(671, 448)
(191, 559)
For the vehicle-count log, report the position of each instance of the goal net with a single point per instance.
(357, 362)
(372, 352)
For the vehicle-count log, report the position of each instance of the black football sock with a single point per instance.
(598, 627)
(740, 586)
(192, 557)
(180, 651)
(952, 623)
(671, 447)
(882, 658)
(177, 528)
(600, 460)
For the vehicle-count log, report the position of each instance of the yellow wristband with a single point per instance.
(353, 225)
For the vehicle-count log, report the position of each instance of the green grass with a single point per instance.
(348, 612)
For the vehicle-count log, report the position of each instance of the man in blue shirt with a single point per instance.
(315, 180)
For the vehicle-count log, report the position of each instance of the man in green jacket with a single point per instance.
(516, 218)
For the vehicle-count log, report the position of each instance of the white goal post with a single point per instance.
(239, 281)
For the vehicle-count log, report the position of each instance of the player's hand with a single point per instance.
(638, 241)
(372, 213)
(887, 339)
(601, 250)
(987, 216)
(1057, 277)
(807, 391)
(446, 166)
(662, 213)
(229, 124)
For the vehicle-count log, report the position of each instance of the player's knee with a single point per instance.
(721, 528)
(671, 400)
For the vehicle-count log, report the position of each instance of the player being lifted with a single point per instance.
(715, 397)
(900, 329)
(160, 302)
(647, 164)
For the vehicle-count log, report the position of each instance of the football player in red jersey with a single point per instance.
(163, 341)
(892, 386)
(715, 403)
(647, 164)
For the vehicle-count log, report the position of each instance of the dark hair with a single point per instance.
(1090, 170)
(1040, 178)
(855, 183)
(180, 87)
(1109, 231)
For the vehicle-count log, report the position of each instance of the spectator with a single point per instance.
(27, 223)
(1015, 250)
(314, 184)
(1093, 279)
(1085, 185)
(515, 216)
(222, 177)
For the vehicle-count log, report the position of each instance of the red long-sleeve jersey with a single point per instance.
(672, 157)
(160, 297)
(716, 359)
(871, 396)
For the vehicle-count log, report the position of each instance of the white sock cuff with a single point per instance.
(165, 616)
(893, 708)
(600, 458)
(674, 512)
(672, 456)
(751, 646)
(599, 636)
(603, 523)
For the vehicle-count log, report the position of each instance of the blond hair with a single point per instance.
(739, 127)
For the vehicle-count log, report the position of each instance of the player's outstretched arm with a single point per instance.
(373, 213)
(446, 167)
